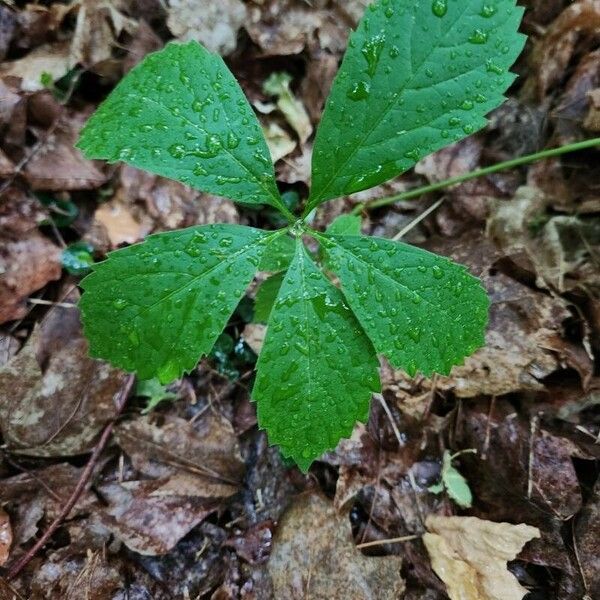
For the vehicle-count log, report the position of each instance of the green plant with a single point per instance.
(417, 76)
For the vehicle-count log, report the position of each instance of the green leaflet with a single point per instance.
(453, 482)
(416, 77)
(155, 308)
(181, 114)
(345, 225)
(420, 310)
(317, 369)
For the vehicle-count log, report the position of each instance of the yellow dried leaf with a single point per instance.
(470, 555)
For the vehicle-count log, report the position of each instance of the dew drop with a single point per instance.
(371, 50)
(177, 151)
(359, 91)
(478, 37)
(120, 303)
(439, 8)
(488, 10)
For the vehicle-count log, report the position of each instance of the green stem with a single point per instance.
(509, 164)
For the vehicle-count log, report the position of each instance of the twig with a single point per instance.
(398, 540)
(83, 480)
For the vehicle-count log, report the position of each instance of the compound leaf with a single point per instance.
(317, 369)
(422, 311)
(416, 77)
(155, 308)
(181, 114)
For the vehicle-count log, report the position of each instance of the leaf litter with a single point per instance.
(189, 500)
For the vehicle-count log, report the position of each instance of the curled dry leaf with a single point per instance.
(5, 537)
(470, 556)
(314, 557)
(214, 24)
(57, 399)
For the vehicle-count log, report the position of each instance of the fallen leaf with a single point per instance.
(202, 457)
(587, 541)
(278, 84)
(57, 398)
(523, 469)
(214, 24)
(282, 27)
(39, 493)
(279, 141)
(27, 263)
(524, 339)
(5, 537)
(149, 519)
(8, 27)
(470, 556)
(554, 51)
(57, 165)
(254, 336)
(120, 224)
(98, 25)
(71, 575)
(314, 557)
(592, 119)
(170, 204)
(51, 59)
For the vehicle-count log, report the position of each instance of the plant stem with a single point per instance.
(509, 164)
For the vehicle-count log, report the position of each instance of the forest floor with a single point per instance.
(188, 500)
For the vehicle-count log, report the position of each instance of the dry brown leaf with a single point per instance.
(170, 204)
(587, 539)
(555, 50)
(204, 456)
(524, 340)
(99, 24)
(214, 24)
(57, 398)
(27, 263)
(254, 336)
(314, 558)
(121, 226)
(279, 141)
(71, 575)
(592, 119)
(57, 165)
(52, 59)
(5, 537)
(148, 520)
(470, 556)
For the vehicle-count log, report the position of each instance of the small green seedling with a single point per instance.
(453, 482)
(418, 75)
(155, 391)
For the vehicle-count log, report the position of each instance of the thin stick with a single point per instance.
(418, 219)
(398, 540)
(83, 480)
(503, 166)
